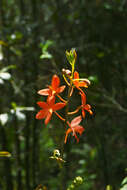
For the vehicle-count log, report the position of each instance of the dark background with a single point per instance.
(98, 31)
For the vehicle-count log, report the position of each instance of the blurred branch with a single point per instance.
(115, 103)
(112, 101)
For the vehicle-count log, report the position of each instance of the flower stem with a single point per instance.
(75, 111)
(61, 98)
(59, 116)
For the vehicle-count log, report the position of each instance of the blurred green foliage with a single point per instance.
(34, 36)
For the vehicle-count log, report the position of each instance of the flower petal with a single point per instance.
(76, 121)
(83, 97)
(51, 100)
(61, 89)
(87, 107)
(42, 104)
(83, 113)
(55, 82)
(67, 132)
(79, 129)
(58, 106)
(83, 84)
(44, 92)
(76, 75)
(41, 114)
(48, 117)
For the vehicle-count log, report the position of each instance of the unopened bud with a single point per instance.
(66, 71)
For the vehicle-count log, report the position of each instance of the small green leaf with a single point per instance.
(71, 56)
(14, 105)
(108, 187)
(7, 68)
(100, 55)
(93, 79)
(45, 45)
(3, 43)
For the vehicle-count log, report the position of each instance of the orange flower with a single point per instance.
(80, 82)
(54, 89)
(48, 108)
(85, 107)
(74, 127)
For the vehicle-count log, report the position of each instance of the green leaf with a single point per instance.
(93, 79)
(3, 43)
(46, 55)
(124, 184)
(71, 56)
(45, 46)
(100, 55)
(108, 187)
(7, 68)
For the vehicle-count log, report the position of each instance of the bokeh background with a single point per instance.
(34, 36)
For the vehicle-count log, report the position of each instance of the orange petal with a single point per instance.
(51, 100)
(83, 113)
(67, 132)
(76, 75)
(83, 97)
(48, 117)
(83, 84)
(91, 113)
(42, 104)
(44, 92)
(87, 107)
(79, 129)
(58, 106)
(55, 82)
(61, 89)
(41, 114)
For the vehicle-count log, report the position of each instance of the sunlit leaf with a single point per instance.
(3, 43)
(3, 118)
(18, 114)
(46, 55)
(5, 154)
(124, 184)
(1, 81)
(7, 68)
(93, 79)
(5, 76)
(108, 187)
